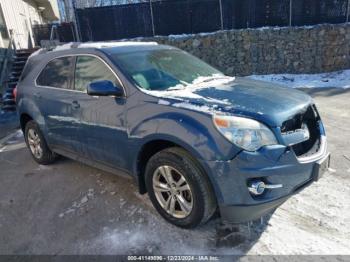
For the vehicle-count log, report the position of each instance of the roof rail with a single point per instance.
(101, 44)
(66, 46)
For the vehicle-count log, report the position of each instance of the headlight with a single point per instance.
(244, 132)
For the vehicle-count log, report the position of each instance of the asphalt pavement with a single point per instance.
(70, 208)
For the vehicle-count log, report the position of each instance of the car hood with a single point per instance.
(263, 101)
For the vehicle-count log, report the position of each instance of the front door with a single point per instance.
(102, 133)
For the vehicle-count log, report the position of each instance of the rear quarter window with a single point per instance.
(57, 73)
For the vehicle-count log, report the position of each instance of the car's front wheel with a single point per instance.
(37, 144)
(179, 189)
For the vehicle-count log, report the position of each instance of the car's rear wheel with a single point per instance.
(179, 189)
(37, 144)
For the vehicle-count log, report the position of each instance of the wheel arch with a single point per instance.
(24, 119)
(152, 147)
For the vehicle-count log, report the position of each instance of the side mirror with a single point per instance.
(104, 88)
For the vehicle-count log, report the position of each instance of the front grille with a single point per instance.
(311, 119)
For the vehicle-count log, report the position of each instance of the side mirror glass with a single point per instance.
(104, 88)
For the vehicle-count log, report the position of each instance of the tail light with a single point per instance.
(14, 92)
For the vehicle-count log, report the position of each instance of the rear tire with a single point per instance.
(37, 144)
(187, 201)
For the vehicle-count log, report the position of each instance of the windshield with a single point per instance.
(164, 69)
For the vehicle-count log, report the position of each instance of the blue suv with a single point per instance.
(197, 141)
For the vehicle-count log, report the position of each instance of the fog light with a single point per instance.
(257, 188)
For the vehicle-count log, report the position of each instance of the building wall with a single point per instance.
(20, 16)
(55, 9)
(269, 50)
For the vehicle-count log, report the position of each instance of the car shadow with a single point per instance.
(236, 238)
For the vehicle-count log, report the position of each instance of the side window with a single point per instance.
(57, 73)
(89, 69)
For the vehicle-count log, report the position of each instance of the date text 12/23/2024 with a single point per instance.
(173, 258)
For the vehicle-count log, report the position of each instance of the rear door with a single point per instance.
(55, 96)
(102, 131)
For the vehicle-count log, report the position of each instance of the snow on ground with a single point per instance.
(310, 226)
(184, 36)
(337, 79)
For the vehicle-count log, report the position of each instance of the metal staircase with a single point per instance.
(18, 62)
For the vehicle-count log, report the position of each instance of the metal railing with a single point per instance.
(64, 32)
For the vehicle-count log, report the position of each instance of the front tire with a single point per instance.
(179, 189)
(37, 144)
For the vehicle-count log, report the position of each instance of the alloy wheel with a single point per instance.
(172, 191)
(34, 143)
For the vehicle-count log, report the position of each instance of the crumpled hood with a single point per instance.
(260, 100)
(263, 101)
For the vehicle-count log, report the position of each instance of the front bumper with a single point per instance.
(240, 214)
(273, 165)
(244, 213)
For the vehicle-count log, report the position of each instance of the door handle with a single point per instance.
(75, 104)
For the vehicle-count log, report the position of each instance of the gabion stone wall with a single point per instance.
(315, 49)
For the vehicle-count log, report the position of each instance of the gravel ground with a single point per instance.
(70, 208)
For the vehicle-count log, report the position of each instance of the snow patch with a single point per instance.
(44, 168)
(79, 204)
(308, 228)
(263, 28)
(193, 107)
(163, 102)
(337, 79)
(142, 236)
(188, 90)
